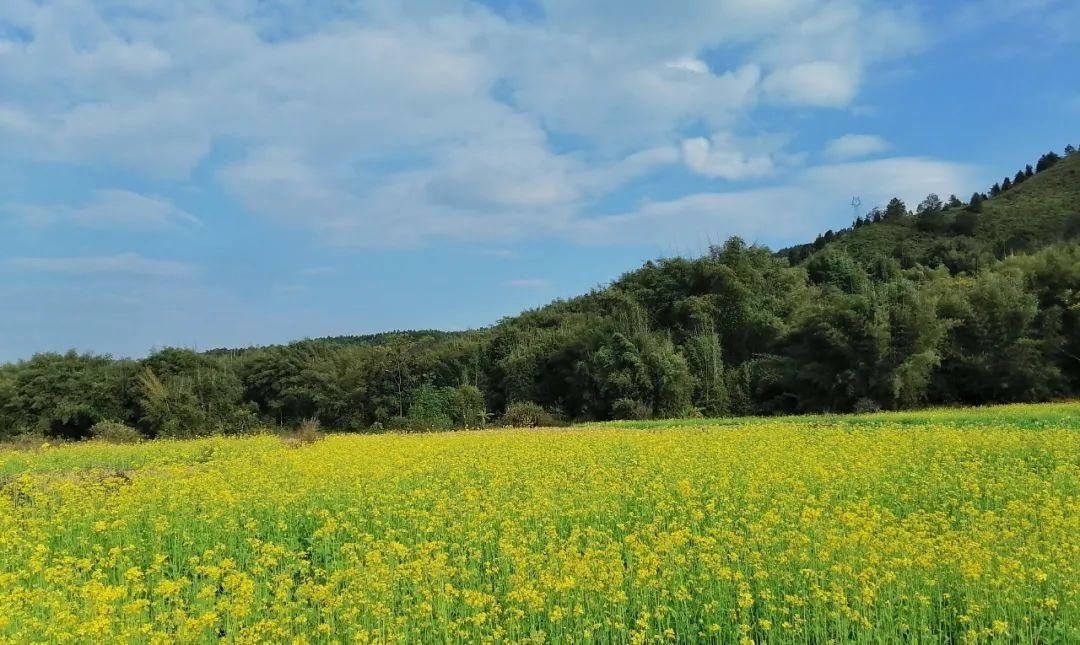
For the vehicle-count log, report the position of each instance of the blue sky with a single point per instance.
(232, 172)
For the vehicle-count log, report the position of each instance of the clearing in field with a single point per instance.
(948, 525)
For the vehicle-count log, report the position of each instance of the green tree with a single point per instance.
(64, 395)
(975, 205)
(895, 210)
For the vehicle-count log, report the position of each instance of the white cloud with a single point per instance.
(816, 83)
(109, 208)
(726, 157)
(853, 146)
(816, 199)
(689, 64)
(383, 124)
(127, 263)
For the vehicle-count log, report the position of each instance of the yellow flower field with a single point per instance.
(959, 526)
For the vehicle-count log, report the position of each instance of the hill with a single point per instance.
(953, 303)
(1037, 211)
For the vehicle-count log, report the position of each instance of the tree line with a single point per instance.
(903, 309)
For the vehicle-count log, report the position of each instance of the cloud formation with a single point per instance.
(788, 213)
(374, 124)
(109, 208)
(853, 146)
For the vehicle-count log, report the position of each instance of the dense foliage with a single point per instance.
(953, 303)
(946, 526)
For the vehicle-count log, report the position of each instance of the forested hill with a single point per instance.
(1033, 210)
(954, 301)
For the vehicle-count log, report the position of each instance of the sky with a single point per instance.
(215, 173)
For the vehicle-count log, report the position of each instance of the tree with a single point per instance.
(995, 190)
(273, 381)
(429, 408)
(835, 267)
(954, 202)
(929, 215)
(967, 221)
(645, 368)
(704, 356)
(1028, 172)
(465, 405)
(994, 352)
(64, 395)
(896, 209)
(882, 344)
(1069, 151)
(1020, 177)
(975, 205)
(1047, 161)
(1006, 184)
(931, 204)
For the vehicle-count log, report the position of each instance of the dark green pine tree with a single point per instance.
(1046, 161)
(975, 205)
(895, 210)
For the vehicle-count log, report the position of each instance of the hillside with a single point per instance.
(1041, 210)
(956, 303)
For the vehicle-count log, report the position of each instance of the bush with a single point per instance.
(402, 424)
(630, 410)
(526, 414)
(114, 432)
(465, 404)
(428, 409)
(240, 421)
(309, 431)
(29, 440)
(866, 406)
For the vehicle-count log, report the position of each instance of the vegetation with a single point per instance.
(941, 526)
(951, 304)
(113, 432)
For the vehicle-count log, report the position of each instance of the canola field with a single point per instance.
(940, 526)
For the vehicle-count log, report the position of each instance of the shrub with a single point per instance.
(428, 409)
(401, 424)
(630, 409)
(114, 432)
(240, 421)
(465, 405)
(29, 440)
(309, 431)
(526, 414)
(866, 405)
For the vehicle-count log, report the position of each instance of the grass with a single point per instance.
(944, 525)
